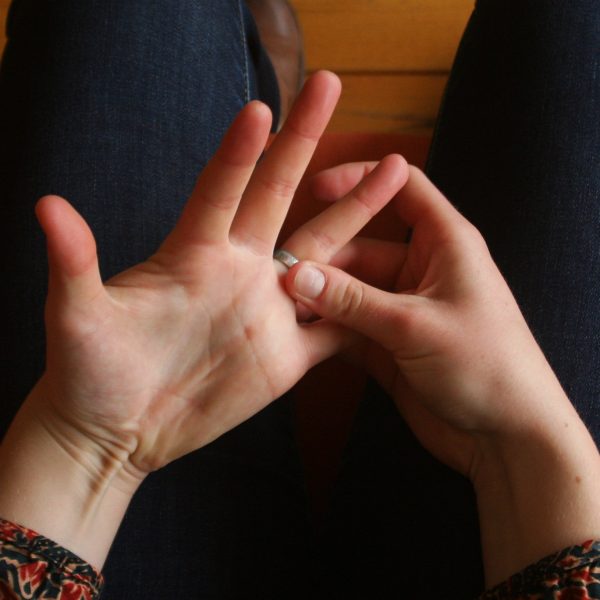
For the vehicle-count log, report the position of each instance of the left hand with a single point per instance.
(172, 353)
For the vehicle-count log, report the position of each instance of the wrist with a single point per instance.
(66, 489)
(538, 491)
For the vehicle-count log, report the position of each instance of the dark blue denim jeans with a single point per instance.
(517, 149)
(117, 105)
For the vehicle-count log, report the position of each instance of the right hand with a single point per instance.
(450, 345)
(449, 342)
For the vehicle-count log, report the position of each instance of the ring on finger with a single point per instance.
(285, 258)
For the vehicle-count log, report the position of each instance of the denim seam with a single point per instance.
(244, 52)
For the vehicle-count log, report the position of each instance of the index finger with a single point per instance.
(421, 203)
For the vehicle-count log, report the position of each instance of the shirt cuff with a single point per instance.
(33, 566)
(572, 573)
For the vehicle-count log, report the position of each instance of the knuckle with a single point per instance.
(415, 171)
(298, 129)
(279, 187)
(222, 202)
(350, 300)
(474, 237)
(364, 201)
(322, 240)
(408, 322)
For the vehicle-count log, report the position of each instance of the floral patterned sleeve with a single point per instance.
(572, 574)
(32, 566)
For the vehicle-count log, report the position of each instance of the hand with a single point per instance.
(448, 336)
(169, 355)
(448, 342)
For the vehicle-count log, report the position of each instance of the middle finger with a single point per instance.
(267, 198)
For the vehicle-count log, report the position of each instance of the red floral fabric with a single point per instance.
(572, 574)
(32, 566)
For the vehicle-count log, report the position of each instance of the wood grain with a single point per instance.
(393, 57)
(382, 35)
(4, 4)
(389, 102)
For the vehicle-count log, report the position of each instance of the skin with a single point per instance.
(447, 340)
(167, 356)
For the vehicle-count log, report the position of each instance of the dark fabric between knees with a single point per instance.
(517, 150)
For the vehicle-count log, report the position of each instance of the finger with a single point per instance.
(332, 184)
(337, 296)
(272, 187)
(375, 262)
(211, 208)
(74, 271)
(421, 203)
(303, 314)
(324, 339)
(323, 236)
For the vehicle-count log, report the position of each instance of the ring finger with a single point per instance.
(326, 234)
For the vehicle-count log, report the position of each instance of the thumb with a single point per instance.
(343, 299)
(74, 271)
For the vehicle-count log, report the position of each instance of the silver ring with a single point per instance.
(285, 258)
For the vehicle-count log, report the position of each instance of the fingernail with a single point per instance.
(309, 282)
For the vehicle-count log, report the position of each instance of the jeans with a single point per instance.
(117, 105)
(517, 150)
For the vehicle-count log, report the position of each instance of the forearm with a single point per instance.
(538, 491)
(54, 492)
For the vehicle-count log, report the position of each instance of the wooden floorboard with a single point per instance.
(393, 56)
(382, 35)
(3, 10)
(388, 102)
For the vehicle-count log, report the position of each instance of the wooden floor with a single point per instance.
(393, 57)
(3, 9)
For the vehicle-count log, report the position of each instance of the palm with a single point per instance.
(413, 372)
(174, 352)
(212, 356)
